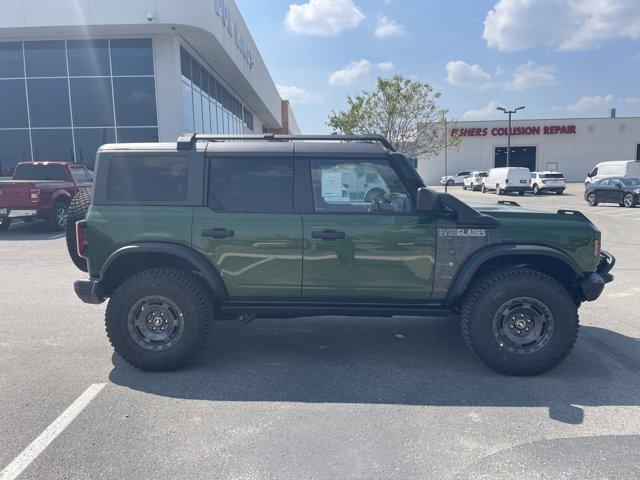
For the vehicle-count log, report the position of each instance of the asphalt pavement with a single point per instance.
(313, 398)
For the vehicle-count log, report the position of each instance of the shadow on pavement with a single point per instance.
(36, 230)
(406, 361)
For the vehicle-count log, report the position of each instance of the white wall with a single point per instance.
(596, 140)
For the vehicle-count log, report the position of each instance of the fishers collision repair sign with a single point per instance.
(515, 131)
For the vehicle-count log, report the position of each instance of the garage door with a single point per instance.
(520, 157)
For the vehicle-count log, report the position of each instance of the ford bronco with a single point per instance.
(215, 227)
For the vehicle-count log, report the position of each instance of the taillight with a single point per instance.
(81, 242)
(597, 247)
(35, 195)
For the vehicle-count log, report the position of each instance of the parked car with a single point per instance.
(41, 191)
(474, 181)
(625, 191)
(547, 182)
(179, 235)
(455, 179)
(602, 170)
(507, 179)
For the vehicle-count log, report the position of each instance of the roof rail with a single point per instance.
(188, 141)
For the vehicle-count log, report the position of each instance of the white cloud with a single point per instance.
(297, 95)
(592, 104)
(351, 74)
(632, 101)
(386, 66)
(515, 25)
(323, 17)
(530, 75)
(388, 28)
(488, 112)
(462, 74)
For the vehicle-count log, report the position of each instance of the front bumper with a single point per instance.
(88, 291)
(593, 285)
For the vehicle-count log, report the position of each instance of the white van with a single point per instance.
(508, 179)
(602, 170)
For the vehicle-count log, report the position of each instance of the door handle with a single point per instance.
(218, 233)
(328, 235)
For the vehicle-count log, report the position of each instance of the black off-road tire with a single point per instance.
(486, 298)
(5, 223)
(77, 211)
(190, 296)
(52, 221)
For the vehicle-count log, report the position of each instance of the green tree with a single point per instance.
(405, 111)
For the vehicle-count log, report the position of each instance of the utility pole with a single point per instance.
(509, 112)
(446, 144)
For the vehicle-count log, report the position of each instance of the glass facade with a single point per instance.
(207, 106)
(62, 99)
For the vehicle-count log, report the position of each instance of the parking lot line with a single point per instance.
(29, 454)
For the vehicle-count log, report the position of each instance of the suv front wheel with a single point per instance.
(519, 321)
(158, 319)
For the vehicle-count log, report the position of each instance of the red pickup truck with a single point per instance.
(41, 191)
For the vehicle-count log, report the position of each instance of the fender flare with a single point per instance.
(479, 258)
(197, 260)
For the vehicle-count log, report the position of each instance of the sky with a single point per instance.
(558, 58)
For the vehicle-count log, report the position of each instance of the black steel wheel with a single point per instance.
(523, 325)
(158, 319)
(519, 321)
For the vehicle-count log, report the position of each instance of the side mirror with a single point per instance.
(427, 200)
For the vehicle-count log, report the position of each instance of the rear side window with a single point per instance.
(147, 179)
(260, 185)
(79, 175)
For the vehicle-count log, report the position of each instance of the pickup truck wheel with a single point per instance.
(158, 319)
(519, 321)
(58, 217)
(5, 223)
(77, 211)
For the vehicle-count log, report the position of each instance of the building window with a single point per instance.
(207, 106)
(62, 100)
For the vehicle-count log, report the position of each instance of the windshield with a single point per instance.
(630, 182)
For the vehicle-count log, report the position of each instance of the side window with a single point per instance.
(79, 174)
(594, 172)
(252, 184)
(533, 176)
(604, 183)
(358, 186)
(147, 179)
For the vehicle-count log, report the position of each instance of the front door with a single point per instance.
(248, 230)
(363, 240)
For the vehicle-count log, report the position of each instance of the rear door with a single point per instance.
(248, 229)
(356, 250)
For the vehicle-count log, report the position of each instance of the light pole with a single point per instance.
(446, 142)
(509, 112)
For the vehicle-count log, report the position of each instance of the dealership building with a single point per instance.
(572, 146)
(76, 74)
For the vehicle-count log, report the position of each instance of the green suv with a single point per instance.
(225, 227)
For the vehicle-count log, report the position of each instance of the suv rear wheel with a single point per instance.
(158, 319)
(519, 321)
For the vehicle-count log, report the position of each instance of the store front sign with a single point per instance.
(231, 25)
(515, 131)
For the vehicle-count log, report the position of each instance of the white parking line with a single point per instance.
(29, 454)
